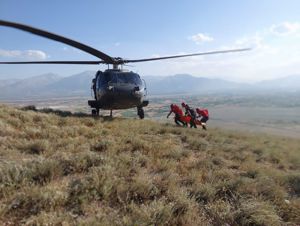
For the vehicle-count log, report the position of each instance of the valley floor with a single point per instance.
(250, 114)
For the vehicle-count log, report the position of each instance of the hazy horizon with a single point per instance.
(17, 77)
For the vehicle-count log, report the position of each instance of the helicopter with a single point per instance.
(113, 88)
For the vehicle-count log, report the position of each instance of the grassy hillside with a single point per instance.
(77, 170)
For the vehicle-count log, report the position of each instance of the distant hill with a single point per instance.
(184, 83)
(28, 87)
(7, 82)
(52, 85)
(79, 84)
(47, 85)
(292, 83)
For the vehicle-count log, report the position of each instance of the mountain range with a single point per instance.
(53, 85)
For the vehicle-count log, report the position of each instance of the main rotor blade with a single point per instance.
(53, 62)
(186, 55)
(59, 38)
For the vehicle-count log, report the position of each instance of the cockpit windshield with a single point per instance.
(119, 77)
(129, 78)
(110, 77)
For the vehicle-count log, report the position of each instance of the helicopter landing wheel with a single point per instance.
(95, 112)
(140, 112)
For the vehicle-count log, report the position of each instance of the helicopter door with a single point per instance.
(98, 77)
(145, 87)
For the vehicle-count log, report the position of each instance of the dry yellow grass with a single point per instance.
(76, 170)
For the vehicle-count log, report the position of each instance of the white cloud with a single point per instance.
(285, 28)
(253, 41)
(70, 49)
(200, 38)
(156, 55)
(117, 44)
(26, 54)
(258, 43)
(35, 54)
(275, 53)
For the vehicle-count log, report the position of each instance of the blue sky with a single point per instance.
(138, 29)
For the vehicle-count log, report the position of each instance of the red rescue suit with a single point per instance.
(175, 109)
(178, 114)
(202, 112)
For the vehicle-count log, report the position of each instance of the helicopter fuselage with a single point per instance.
(118, 89)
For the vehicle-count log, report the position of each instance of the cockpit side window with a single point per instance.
(137, 79)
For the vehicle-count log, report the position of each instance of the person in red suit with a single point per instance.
(203, 115)
(178, 114)
(191, 113)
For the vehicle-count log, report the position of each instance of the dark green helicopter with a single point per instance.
(114, 88)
